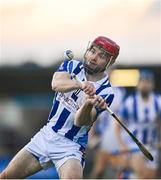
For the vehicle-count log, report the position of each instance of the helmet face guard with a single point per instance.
(106, 45)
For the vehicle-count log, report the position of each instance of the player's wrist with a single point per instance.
(89, 104)
(78, 85)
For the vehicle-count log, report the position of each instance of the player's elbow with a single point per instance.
(54, 85)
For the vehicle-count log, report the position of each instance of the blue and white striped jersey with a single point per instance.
(65, 105)
(141, 118)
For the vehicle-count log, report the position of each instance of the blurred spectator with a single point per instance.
(141, 112)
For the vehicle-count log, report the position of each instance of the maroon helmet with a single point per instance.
(107, 45)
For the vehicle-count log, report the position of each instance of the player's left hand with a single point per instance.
(100, 103)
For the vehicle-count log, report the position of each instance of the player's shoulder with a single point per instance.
(71, 66)
(72, 63)
(76, 62)
(76, 66)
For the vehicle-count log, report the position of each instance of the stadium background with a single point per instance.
(29, 58)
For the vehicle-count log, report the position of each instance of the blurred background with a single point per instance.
(35, 33)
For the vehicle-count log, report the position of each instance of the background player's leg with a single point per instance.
(71, 169)
(22, 165)
(138, 164)
(99, 165)
(120, 161)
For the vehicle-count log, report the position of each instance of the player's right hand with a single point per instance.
(88, 88)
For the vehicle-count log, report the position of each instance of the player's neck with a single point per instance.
(145, 96)
(95, 77)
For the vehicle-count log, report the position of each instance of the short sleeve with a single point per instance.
(65, 66)
(71, 66)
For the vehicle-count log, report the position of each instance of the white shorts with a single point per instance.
(109, 142)
(51, 148)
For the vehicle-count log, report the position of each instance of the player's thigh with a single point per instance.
(71, 169)
(22, 165)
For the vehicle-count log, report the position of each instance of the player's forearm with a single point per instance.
(64, 85)
(83, 116)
